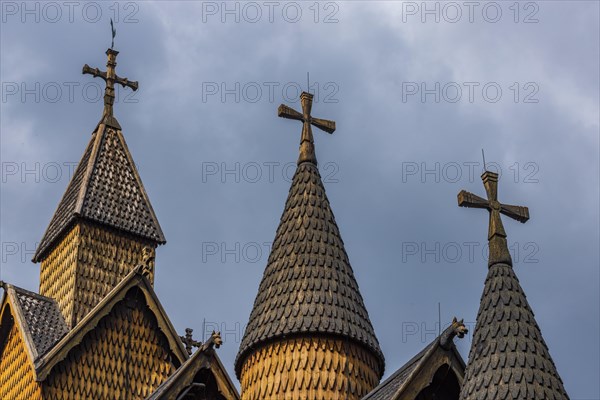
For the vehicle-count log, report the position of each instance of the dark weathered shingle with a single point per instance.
(390, 387)
(509, 358)
(43, 319)
(308, 285)
(105, 188)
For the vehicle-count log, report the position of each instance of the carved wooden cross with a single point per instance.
(188, 341)
(496, 234)
(110, 77)
(307, 146)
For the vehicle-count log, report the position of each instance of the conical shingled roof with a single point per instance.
(106, 188)
(509, 359)
(308, 286)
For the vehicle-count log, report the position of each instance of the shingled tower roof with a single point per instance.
(106, 187)
(308, 286)
(509, 358)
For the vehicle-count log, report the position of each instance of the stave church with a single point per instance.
(97, 330)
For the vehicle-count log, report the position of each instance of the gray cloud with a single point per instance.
(375, 165)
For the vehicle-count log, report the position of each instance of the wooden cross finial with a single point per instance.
(496, 235)
(307, 145)
(188, 341)
(110, 77)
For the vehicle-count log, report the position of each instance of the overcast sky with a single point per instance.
(416, 94)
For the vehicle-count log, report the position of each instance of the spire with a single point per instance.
(509, 358)
(308, 291)
(307, 144)
(106, 186)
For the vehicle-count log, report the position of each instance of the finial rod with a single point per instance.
(114, 33)
(483, 155)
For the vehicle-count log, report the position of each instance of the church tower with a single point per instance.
(509, 358)
(309, 335)
(97, 330)
(103, 221)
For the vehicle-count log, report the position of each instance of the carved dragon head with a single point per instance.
(216, 339)
(147, 261)
(147, 255)
(459, 328)
(456, 328)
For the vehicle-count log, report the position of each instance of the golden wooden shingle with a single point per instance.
(317, 368)
(105, 188)
(98, 231)
(97, 330)
(58, 273)
(125, 356)
(17, 381)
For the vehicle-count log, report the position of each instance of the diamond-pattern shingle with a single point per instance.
(106, 188)
(44, 321)
(308, 285)
(509, 358)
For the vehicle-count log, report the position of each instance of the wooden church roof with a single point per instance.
(308, 286)
(439, 351)
(46, 334)
(126, 344)
(185, 376)
(106, 188)
(508, 358)
(41, 322)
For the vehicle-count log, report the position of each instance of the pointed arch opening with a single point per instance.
(443, 386)
(203, 387)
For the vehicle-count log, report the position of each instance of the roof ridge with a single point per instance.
(32, 294)
(415, 364)
(143, 192)
(96, 194)
(38, 317)
(44, 364)
(97, 137)
(62, 216)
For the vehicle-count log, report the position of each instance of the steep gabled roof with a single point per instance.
(135, 278)
(204, 358)
(39, 318)
(308, 286)
(106, 188)
(389, 388)
(396, 385)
